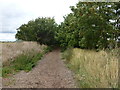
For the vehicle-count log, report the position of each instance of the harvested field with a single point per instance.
(11, 50)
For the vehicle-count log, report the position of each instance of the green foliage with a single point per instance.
(88, 26)
(48, 49)
(41, 30)
(117, 9)
(24, 62)
(67, 54)
(6, 71)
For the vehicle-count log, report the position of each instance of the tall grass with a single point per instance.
(94, 69)
(0, 61)
(11, 50)
(25, 61)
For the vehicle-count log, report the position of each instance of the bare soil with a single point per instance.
(50, 72)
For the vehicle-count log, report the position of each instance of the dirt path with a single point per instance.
(49, 73)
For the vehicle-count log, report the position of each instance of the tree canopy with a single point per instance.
(41, 30)
(91, 25)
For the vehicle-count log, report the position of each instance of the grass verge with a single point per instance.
(25, 61)
(94, 69)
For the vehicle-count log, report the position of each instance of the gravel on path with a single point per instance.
(50, 72)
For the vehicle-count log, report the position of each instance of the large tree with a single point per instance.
(41, 30)
(88, 26)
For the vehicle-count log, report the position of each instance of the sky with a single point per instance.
(14, 13)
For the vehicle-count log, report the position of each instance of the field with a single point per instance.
(23, 67)
(20, 56)
(94, 69)
(10, 50)
(0, 65)
(81, 51)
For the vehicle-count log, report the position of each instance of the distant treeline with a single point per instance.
(91, 25)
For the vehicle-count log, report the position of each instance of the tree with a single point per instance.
(67, 34)
(88, 26)
(41, 30)
(117, 18)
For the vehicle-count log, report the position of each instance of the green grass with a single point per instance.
(0, 71)
(48, 49)
(93, 69)
(25, 61)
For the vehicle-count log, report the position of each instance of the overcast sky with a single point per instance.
(13, 13)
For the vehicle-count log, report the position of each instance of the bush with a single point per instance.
(41, 30)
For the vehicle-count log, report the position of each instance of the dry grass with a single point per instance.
(0, 65)
(94, 69)
(18, 56)
(0, 54)
(11, 50)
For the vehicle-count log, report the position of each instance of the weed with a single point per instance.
(25, 61)
(47, 49)
(94, 69)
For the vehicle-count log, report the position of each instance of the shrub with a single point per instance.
(41, 30)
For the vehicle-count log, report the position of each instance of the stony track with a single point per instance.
(50, 72)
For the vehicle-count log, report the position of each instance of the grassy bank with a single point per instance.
(26, 58)
(93, 69)
(11, 50)
(25, 61)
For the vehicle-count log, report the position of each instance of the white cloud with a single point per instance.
(7, 37)
(13, 13)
